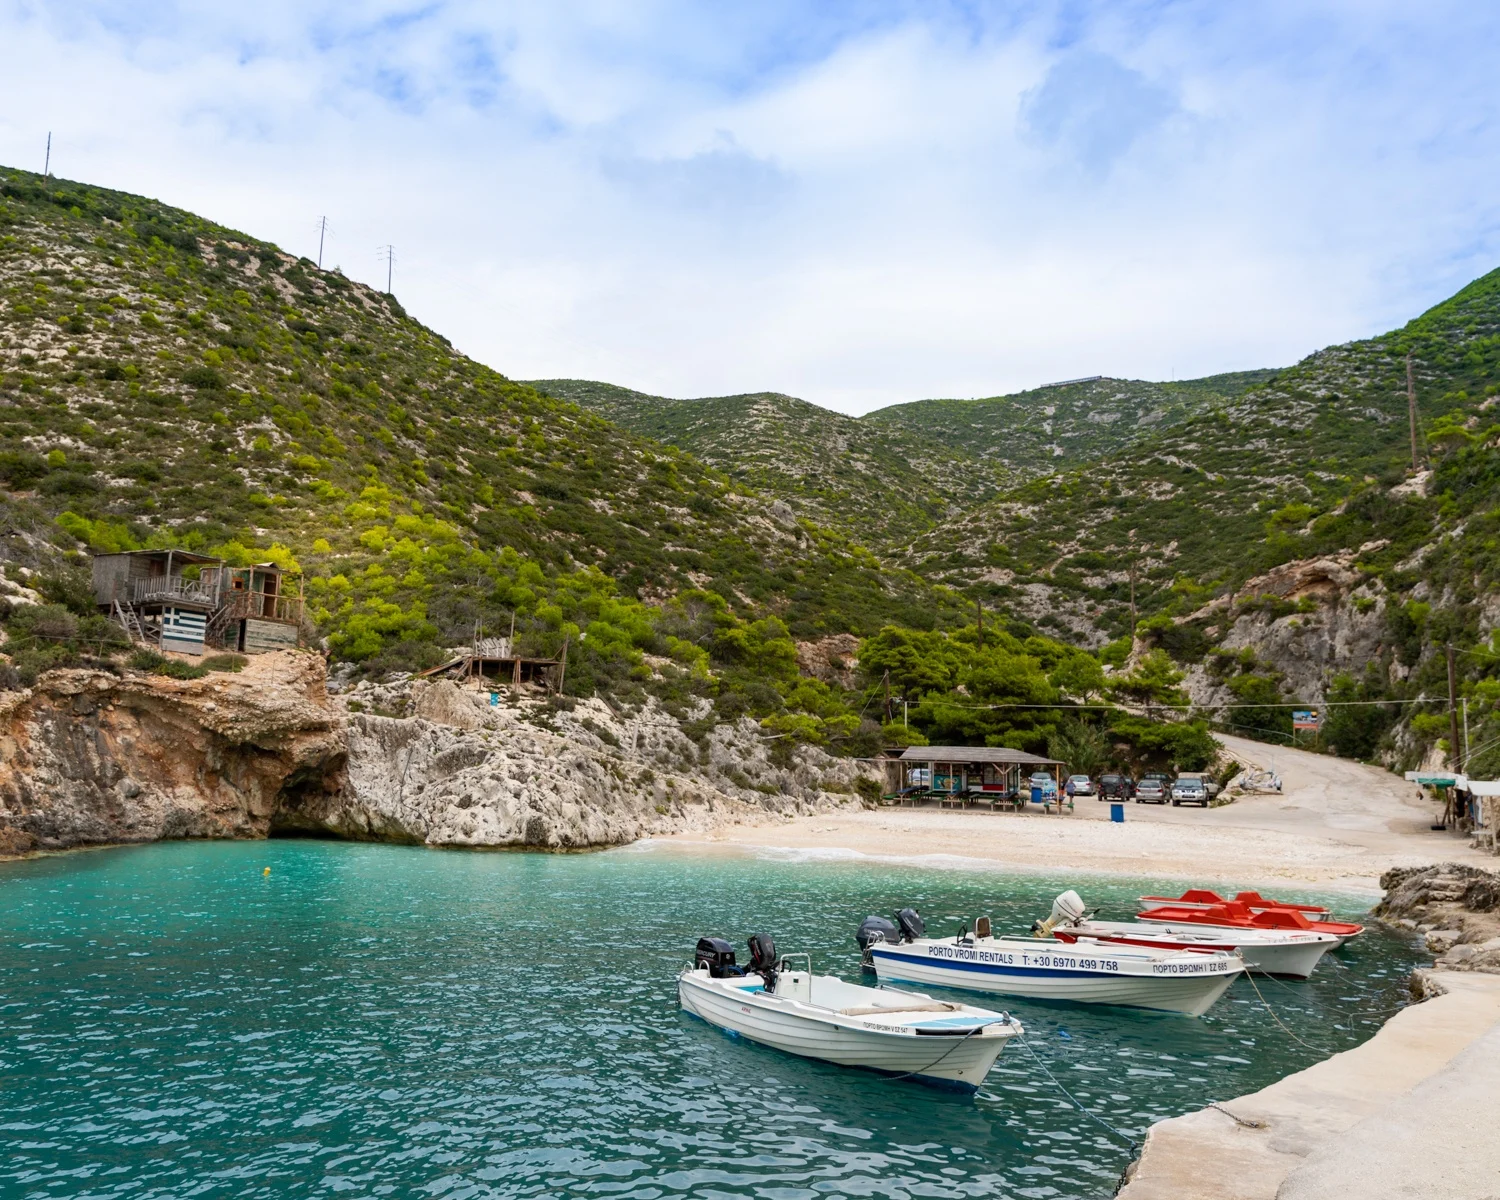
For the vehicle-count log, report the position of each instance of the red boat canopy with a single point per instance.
(1239, 915)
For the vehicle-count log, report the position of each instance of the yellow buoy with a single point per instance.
(267, 871)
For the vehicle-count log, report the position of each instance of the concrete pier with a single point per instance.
(1408, 1115)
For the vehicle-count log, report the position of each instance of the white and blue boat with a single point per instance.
(1085, 971)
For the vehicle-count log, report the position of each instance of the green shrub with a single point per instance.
(174, 668)
(145, 659)
(225, 662)
(205, 379)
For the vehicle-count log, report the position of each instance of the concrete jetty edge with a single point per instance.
(1360, 1124)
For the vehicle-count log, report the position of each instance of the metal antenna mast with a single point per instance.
(387, 255)
(47, 165)
(323, 229)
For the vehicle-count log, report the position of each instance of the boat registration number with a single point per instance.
(1023, 958)
(1202, 966)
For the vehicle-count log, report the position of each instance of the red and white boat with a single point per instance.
(1203, 898)
(1292, 953)
(1237, 915)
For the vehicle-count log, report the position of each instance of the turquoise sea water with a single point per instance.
(392, 1021)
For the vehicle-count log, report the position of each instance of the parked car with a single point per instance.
(1189, 790)
(1080, 785)
(1212, 786)
(1151, 790)
(1046, 785)
(1116, 787)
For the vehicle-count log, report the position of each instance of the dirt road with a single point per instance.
(1337, 824)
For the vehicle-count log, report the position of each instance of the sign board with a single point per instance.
(1306, 718)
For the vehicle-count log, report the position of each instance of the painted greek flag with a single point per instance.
(183, 630)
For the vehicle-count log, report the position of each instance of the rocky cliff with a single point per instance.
(92, 757)
(452, 769)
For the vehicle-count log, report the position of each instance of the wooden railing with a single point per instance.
(235, 605)
(173, 587)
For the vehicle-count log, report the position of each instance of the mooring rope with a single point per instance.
(1248, 1124)
(940, 1057)
(1098, 1120)
(1284, 1029)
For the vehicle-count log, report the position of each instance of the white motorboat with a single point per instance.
(1291, 953)
(823, 1017)
(1087, 971)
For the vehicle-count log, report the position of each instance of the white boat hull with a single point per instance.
(951, 1060)
(1086, 972)
(1294, 955)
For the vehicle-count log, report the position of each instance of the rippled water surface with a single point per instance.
(392, 1021)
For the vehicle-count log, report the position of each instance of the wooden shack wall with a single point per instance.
(259, 636)
(111, 578)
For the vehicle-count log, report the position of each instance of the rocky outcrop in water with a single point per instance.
(90, 756)
(1454, 906)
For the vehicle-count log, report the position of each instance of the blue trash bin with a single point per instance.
(1117, 813)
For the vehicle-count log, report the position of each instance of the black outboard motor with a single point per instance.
(717, 957)
(912, 926)
(763, 959)
(871, 930)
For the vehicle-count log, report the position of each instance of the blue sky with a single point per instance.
(860, 204)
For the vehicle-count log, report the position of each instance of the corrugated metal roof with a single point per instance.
(976, 754)
(182, 556)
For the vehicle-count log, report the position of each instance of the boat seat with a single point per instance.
(875, 1010)
(981, 927)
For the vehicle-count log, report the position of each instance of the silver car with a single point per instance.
(1189, 791)
(1080, 785)
(1151, 791)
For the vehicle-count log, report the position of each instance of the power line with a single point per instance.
(387, 255)
(1294, 704)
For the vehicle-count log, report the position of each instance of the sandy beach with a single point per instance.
(1336, 825)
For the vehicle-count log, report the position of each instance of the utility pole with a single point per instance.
(387, 255)
(1464, 704)
(1456, 750)
(322, 230)
(887, 682)
(1411, 408)
(47, 162)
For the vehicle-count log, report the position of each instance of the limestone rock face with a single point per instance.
(832, 659)
(461, 771)
(1339, 627)
(88, 756)
(91, 757)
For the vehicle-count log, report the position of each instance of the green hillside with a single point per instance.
(1049, 429)
(882, 486)
(165, 380)
(892, 475)
(1310, 462)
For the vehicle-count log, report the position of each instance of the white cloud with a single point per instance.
(861, 210)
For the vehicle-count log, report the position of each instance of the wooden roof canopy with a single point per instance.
(1002, 755)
